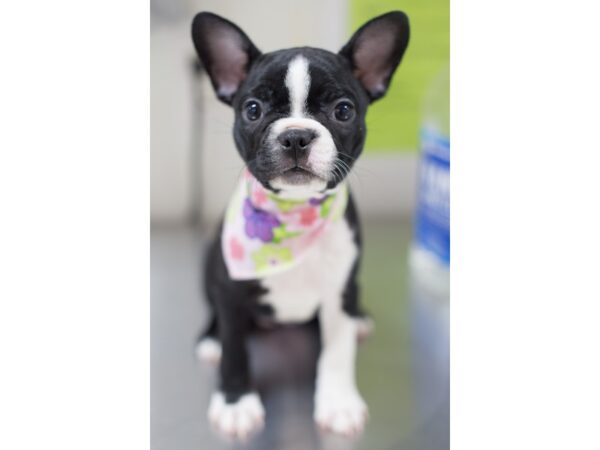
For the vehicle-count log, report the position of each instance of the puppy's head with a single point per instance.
(300, 113)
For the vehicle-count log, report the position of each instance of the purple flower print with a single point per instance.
(318, 201)
(259, 223)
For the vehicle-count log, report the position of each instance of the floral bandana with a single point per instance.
(264, 234)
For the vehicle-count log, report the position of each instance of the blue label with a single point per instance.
(432, 221)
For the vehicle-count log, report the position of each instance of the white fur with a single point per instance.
(298, 191)
(296, 293)
(322, 150)
(209, 350)
(297, 80)
(364, 327)
(341, 410)
(238, 419)
(318, 281)
(338, 405)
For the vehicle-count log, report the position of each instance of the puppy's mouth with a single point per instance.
(298, 175)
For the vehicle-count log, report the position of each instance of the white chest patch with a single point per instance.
(296, 294)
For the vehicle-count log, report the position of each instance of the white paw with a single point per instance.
(364, 327)
(209, 350)
(238, 419)
(342, 411)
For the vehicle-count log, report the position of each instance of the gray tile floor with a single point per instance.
(402, 368)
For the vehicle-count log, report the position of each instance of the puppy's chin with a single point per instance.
(298, 184)
(298, 176)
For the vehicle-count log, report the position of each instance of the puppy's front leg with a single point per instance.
(338, 404)
(234, 409)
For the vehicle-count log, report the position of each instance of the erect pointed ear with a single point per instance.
(225, 51)
(376, 49)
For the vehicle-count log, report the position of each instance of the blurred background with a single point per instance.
(401, 185)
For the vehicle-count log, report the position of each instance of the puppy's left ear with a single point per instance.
(375, 51)
(226, 52)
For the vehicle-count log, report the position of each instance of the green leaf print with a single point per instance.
(326, 206)
(270, 255)
(280, 233)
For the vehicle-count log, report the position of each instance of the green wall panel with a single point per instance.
(393, 122)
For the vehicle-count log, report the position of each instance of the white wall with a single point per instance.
(170, 123)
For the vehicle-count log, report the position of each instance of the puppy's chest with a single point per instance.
(321, 276)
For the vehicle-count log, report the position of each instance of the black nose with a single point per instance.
(297, 140)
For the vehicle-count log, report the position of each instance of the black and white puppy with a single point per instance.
(316, 100)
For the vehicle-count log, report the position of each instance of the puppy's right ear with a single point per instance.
(225, 51)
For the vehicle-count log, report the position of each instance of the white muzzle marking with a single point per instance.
(323, 151)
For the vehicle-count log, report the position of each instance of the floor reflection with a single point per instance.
(429, 313)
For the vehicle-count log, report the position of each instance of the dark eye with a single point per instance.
(344, 111)
(252, 110)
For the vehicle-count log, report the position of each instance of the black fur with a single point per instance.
(235, 313)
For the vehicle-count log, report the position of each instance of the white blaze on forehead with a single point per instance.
(321, 159)
(297, 80)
